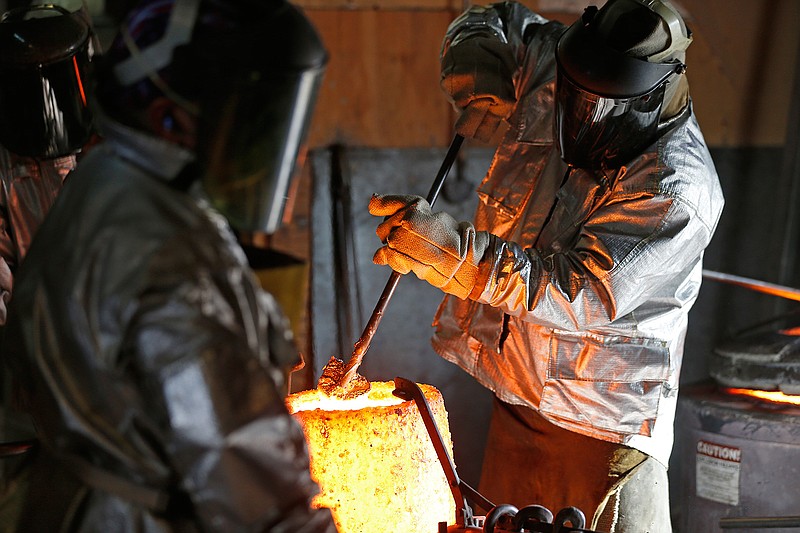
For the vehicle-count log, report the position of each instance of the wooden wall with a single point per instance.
(381, 88)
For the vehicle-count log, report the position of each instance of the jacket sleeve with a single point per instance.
(7, 249)
(642, 241)
(510, 23)
(200, 349)
(483, 49)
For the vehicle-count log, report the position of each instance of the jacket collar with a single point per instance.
(159, 157)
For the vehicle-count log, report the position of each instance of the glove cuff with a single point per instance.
(463, 282)
(481, 120)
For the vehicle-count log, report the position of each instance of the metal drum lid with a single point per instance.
(767, 359)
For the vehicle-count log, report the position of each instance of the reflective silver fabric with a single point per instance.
(583, 318)
(28, 188)
(145, 347)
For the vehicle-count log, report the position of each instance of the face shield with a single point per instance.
(255, 134)
(608, 103)
(255, 139)
(595, 131)
(45, 66)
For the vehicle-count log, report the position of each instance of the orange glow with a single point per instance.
(793, 332)
(374, 460)
(770, 396)
(78, 77)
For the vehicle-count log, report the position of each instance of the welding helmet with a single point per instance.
(45, 70)
(251, 71)
(613, 68)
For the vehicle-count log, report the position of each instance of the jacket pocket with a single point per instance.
(464, 328)
(611, 382)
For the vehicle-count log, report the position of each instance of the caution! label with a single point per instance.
(717, 475)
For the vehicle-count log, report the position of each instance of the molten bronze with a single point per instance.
(334, 381)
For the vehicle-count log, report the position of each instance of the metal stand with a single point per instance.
(503, 518)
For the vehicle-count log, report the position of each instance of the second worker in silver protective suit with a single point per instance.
(569, 292)
(46, 57)
(150, 360)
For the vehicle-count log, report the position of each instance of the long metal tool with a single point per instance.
(764, 287)
(759, 522)
(362, 345)
(462, 492)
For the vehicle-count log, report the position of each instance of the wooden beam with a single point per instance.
(385, 5)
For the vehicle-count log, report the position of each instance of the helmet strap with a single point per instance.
(679, 35)
(146, 63)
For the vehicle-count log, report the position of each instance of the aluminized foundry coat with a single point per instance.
(596, 311)
(146, 348)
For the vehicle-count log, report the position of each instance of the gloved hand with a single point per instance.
(478, 77)
(434, 246)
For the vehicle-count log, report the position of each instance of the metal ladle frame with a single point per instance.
(531, 518)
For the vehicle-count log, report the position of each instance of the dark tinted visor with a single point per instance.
(594, 131)
(44, 72)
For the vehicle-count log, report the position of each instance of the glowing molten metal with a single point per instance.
(374, 461)
(770, 396)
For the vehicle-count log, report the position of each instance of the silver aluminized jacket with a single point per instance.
(152, 362)
(582, 318)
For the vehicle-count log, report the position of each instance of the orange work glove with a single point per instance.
(434, 246)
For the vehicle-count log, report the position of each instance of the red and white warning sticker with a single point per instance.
(717, 474)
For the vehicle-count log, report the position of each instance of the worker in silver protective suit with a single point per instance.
(149, 358)
(46, 57)
(568, 294)
(45, 124)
